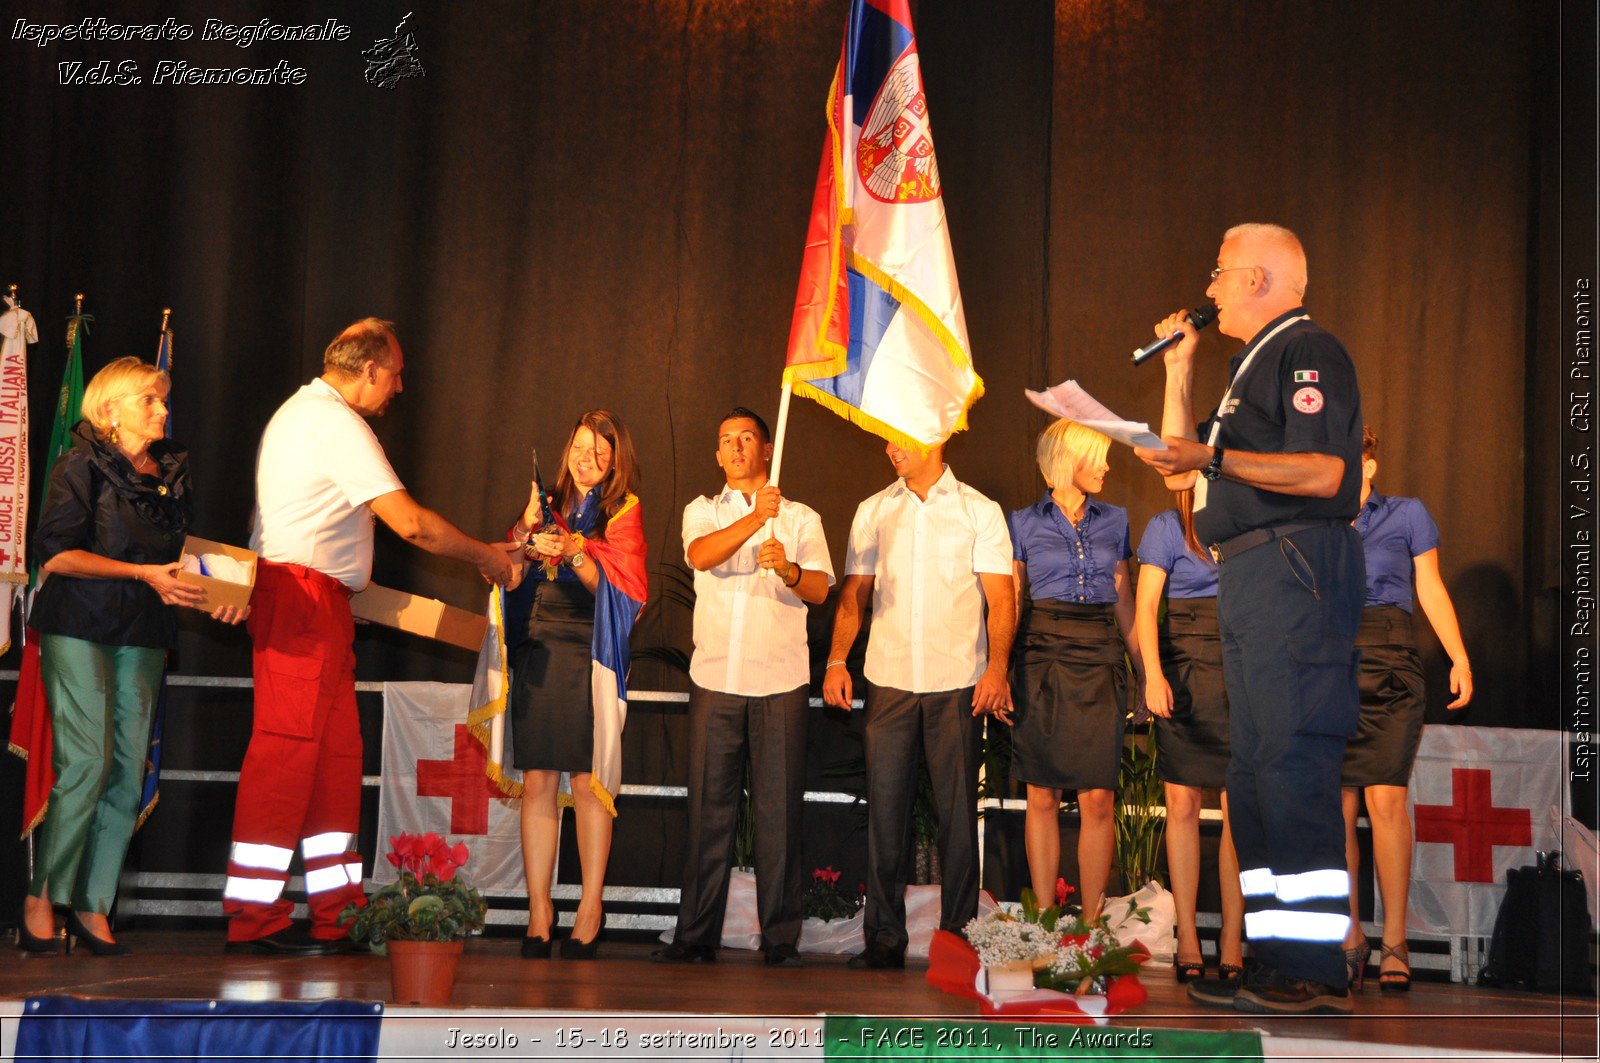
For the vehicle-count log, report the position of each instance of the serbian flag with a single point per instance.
(879, 334)
(619, 560)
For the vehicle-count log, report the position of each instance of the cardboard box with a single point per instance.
(220, 592)
(427, 617)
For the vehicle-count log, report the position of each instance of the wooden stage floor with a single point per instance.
(1435, 1019)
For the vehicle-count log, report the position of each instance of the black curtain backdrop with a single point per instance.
(603, 204)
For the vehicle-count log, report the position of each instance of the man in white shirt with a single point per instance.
(932, 554)
(321, 477)
(749, 681)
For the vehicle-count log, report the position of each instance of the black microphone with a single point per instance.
(1198, 318)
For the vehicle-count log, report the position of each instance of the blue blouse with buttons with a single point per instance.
(1393, 531)
(1071, 562)
(1189, 575)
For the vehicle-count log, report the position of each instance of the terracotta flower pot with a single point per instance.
(423, 972)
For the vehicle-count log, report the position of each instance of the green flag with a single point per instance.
(69, 406)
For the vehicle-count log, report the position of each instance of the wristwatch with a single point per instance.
(577, 560)
(1213, 470)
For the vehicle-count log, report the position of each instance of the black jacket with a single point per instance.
(96, 502)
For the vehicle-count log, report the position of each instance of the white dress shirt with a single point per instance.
(928, 609)
(318, 468)
(749, 629)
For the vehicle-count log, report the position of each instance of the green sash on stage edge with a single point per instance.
(853, 1037)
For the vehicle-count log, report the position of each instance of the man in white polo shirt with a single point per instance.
(932, 554)
(321, 476)
(749, 690)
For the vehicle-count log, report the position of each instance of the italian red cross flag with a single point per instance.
(1482, 800)
(434, 781)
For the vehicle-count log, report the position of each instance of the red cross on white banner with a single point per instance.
(461, 779)
(1474, 825)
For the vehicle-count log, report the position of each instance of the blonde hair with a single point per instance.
(1065, 447)
(123, 377)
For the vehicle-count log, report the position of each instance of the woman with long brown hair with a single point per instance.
(1401, 544)
(1185, 692)
(588, 560)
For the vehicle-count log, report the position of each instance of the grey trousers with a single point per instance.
(722, 728)
(939, 726)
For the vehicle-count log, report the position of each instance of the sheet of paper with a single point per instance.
(1069, 400)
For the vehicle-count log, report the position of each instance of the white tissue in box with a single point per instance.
(217, 566)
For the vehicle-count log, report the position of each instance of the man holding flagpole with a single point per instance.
(758, 560)
(321, 478)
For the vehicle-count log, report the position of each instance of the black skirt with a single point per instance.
(1193, 744)
(552, 715)
(1392, 701)
(1071, 695)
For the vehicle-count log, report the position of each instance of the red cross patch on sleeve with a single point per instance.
(1308, 400)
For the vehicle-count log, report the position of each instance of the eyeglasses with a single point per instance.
(1220, 270)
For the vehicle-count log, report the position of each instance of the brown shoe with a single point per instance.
(1292, 996)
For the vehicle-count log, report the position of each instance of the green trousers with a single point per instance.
(102, 699)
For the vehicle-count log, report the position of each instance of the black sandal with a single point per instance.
(1395, 981)
(1189, 970)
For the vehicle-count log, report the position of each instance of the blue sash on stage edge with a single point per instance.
(92, 1030)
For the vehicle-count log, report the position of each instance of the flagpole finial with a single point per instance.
(166, 316)
(77, 303)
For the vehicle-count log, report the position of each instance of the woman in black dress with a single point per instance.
(550, 634)
(1070, 677)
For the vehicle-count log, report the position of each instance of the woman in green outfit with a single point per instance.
(110, 537)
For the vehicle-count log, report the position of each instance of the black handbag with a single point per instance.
(1541, 935)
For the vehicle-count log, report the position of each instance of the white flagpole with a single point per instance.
(783, 427)
(777, 453)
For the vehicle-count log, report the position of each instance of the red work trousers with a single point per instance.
(301, 779)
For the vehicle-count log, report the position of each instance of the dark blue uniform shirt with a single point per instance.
(1298, 395)
(1189, 575)
(1067, 562)
(1393, 531)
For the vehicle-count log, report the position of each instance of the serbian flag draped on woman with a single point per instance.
(879, 334)
(618, 598)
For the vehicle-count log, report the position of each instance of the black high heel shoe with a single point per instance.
(1189, 970)
(535, 948)
(28, 942)
(573, 949)
(77, 932)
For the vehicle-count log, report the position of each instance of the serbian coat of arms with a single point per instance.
(894, 155)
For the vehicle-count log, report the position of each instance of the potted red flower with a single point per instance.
(421, 919)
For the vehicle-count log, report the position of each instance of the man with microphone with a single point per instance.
(1276, 471)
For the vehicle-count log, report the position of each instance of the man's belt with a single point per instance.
(1225, 551)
